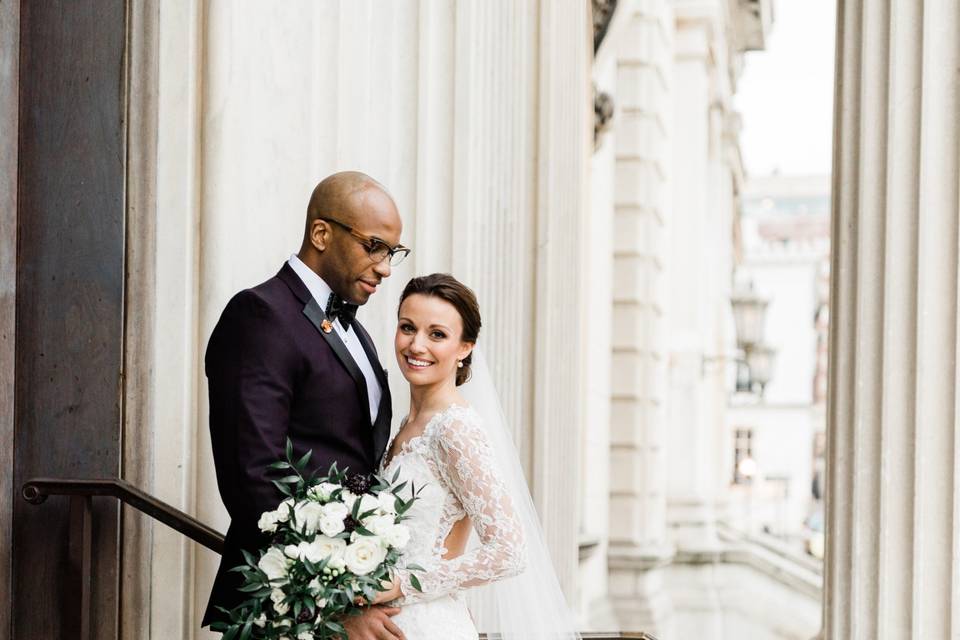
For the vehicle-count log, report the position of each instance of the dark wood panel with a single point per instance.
(70, 296)
(9, 59)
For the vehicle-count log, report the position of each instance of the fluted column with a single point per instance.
(638, 537)
(563, 151)
(892, 460)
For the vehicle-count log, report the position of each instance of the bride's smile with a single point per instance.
(427, 342)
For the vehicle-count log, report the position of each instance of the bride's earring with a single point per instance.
(459, 364)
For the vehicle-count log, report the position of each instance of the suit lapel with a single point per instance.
(381, 428)
(316, 316)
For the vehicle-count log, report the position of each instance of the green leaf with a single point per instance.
(231, 633)
(247, 631)
(289, 451)
(302, 462)
(416, 583)
(289, 479)
(415, 567)
(279, 465)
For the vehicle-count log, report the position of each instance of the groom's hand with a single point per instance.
(374, 624)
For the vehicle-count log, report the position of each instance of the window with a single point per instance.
(742, 450)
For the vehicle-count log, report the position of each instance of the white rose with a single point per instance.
(378, 525)
(321, 547)
(336, 510)
(260, 621)
(321, 603)
(315, 587)
(323, 491)
(292, 551)
(283, 511)
(331, 526)
(368, 503)
(277, 596)
(305, 635)
(337, 562)
(348, 498)
(308, 516)
(397, 536)
(363, 556)
(268, 522)
(274, 564)
(388, 503)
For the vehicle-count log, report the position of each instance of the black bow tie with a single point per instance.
(339, 309)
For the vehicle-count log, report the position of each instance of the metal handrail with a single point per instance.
(37, 490)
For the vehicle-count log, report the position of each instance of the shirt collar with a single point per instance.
(319, 289)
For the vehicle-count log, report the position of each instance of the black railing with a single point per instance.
(79, 572)
(80, 545)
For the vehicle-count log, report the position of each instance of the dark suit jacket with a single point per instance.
(273, 374)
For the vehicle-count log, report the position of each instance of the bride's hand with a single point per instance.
(392, 593)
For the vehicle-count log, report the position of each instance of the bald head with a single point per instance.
(349, 199)
(338, 196)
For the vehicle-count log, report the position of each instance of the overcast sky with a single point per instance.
(786, 92)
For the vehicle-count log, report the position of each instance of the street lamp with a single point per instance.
(749, 316)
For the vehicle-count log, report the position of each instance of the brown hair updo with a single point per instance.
(446, 287)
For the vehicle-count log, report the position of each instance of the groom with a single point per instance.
(288, 359)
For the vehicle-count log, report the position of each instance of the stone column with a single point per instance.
(893, 531)
(564, 146)
(691, 453)
(638, 536)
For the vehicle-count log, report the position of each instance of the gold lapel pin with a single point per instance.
(326, 326)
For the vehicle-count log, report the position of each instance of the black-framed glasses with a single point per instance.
(377, 249)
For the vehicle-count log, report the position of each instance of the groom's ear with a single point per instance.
(319, 235)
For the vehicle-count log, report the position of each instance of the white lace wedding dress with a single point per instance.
(453, 462)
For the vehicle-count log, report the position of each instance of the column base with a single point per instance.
(636, 587)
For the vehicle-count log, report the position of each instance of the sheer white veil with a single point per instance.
(531, 604)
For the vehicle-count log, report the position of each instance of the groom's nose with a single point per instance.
(382, 268)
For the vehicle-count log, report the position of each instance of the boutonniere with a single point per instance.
(326, 326)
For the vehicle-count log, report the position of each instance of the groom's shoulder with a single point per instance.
(268, 297)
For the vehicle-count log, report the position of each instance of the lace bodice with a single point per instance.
(453, 462)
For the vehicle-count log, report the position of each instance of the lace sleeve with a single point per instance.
(466, 464)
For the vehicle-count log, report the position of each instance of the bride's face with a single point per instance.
(427, 342)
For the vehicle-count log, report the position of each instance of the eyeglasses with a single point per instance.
(377, 249)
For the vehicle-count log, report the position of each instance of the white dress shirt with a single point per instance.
(320, 291)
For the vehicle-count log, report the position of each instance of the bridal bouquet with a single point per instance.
(335, 539)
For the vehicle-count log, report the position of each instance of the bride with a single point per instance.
(474, 531)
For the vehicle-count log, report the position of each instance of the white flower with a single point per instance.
(388, 502)
(378, 525)
(277, 596)
(320, 548)
(348, 498)
(291, 551)
(283, 511)
(337, 563)
(305, 635)
(364, 555)
(274, 564)
(323, 491)
(315, 587)
(368, 503)
(321, 603)
(336, 510)
(331, 526)
(268, 522)
(261, 620)
(308, 516)
(397, 536)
